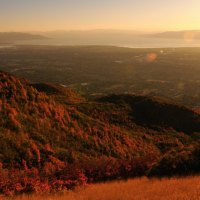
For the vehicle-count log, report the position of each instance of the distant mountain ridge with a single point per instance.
(187, 35)
(122, 34)
(17, 36)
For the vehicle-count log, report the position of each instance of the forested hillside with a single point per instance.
(51, 138)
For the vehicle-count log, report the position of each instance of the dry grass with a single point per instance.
(136, 189)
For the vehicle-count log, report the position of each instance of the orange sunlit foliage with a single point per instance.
(47, 146)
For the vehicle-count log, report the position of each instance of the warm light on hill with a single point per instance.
(137, 189)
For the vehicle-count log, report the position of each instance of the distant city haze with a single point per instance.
(143, 15)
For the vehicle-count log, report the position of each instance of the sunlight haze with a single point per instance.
(143, 15)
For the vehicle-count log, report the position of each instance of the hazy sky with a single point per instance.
(150, 15)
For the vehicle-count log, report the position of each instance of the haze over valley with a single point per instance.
(120, 38)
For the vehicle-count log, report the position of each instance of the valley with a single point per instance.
(95, 71)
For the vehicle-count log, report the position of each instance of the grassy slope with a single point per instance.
(137, 189)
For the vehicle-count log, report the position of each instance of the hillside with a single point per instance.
(51, 138)
(187, 35)
(17, 36)
(158, 112)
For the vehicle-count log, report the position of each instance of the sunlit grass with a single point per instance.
(136, 189)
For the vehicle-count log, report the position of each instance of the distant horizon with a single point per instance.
(85, 30)
(143, 15)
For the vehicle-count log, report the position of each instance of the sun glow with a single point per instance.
(129, 14)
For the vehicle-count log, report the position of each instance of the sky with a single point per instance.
(141, 15)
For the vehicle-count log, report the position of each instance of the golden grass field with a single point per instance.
(136, 189)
